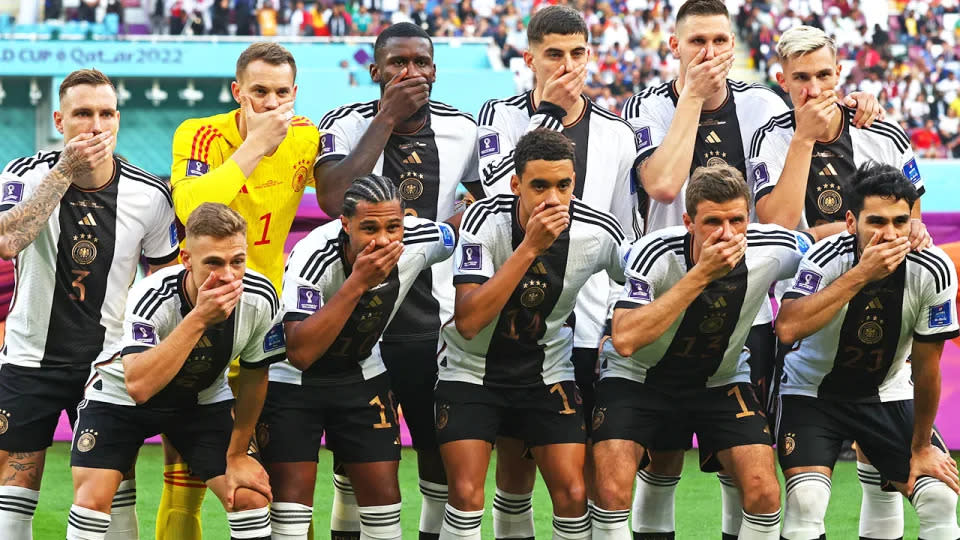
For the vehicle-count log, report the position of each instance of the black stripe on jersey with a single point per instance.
(32, 162)
(478, 212)
(632, 107)
(582, 212)
(488, 110)
(317, 258)
(547, 121)
(133, 172)
(330, 255)
(366, 109)
(607, 114)
(937, 266)
(148, 303)
(740, 86)
(784, 120)
(830, 249)
(264, 287)
(13, 164)
(495, 171)
(771, 238)
(654, 250)
(887, 129)
(443, 109)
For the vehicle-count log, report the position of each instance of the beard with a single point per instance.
(421, 113)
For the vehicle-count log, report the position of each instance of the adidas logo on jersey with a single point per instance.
(720, 303)
(828, 170)
(875, 303)
(539, 268)
(88, 220)
(375, 302)
(413, 158)
(713, 138)
(204, 343)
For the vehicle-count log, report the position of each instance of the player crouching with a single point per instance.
(182, 327)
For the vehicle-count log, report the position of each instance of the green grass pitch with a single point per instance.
(698, 500)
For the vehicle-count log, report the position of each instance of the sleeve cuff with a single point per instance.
(932, 338)
(790, 295)
(470, 278)
(263, 362)
(626, 304)
(921, 190)
(134, 349)
(165, 259)
(762, 193)
(329, 157)
(294, 316)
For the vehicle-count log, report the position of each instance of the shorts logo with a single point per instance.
(472, 257)
(599, 415)
(911, 171)
(4, 421)
(807, 281)
(443, 416)
(446, 232)
(308, 299)
(274, 339)
(789, 444)
(639, 290)
(144, 333)
(263, 434)
(87, 440)
(489, 145)
(327, 143)
(12, 192)
(643, 138)
(196, 168)
(760, 175)
(173, 235)
(940, 315)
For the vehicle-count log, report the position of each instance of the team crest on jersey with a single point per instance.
(639, 290)
(144, 333)
(300, 174)
(534, 292)
(274, 339)
(87, 440)
(368, 322)
(829, 200)
(4, 421)
(472, 257)
(643, 137)
(712, 325)
(940, 315)
(196, 168)
(911, 171)
(489, 145)
(12, 192)
(789, 444)
(871, 330)
(196, 364)
(443, 416)
(308, 299)
(411, 185)
(807, 281)
(85, 248)
(715, 157)
(327, 143)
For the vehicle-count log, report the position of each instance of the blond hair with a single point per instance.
(801, 40)
(92, 77)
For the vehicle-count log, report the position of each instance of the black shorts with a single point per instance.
(412, 366)
(537, 416)
(108, 436)
(721, 417)
(359, 419)
(762, 343)
(585, 372)
(31, 400)
(811, 430)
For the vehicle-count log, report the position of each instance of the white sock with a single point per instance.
(936, 506)
(760, 526)
(512, 515)
(731, 511)
(290, 521)
(610, 524)
(86, 524)
(806, 506)
(249, 523)
(123, 513)
(433, 499)
(653, 502)
(380, 522)
(344, 516)
(17, 506)
(881, 512)
(460, 525)
(575, 528)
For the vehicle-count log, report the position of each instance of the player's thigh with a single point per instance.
(292, 481)
(201, 435)
(361, 422)
(374, 483)
(516, 471)
(561, 466)
(466, 462)
(94, 488)
(726, 417)
(31, 400)
(107, 438)
(884, 433)
(809, 434)
(412, 367)
(290, 430)
(753, 469)
(615, 463)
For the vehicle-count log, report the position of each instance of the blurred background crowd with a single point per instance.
(904, 52)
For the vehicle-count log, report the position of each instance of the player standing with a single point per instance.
(182, 328)
(256, 159)
(521, 262)
(605, 153)
(344, 283)
(76, 222)
(871, 318)
(427, 149)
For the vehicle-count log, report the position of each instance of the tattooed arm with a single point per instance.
(20, 225)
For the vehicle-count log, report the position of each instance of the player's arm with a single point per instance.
(495, 148)
(802, 315)
(477, 304)
(20, 225)
(401, 98)
(637, 327)
(148, 372)
(309, 339)
(665, 171)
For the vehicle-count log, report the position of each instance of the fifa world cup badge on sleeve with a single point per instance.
(640, 290)
(807, 281)
(144, 333)
(489, 145)
(308, 299)
(760, 175)
(940, 315)
(12, 192)
(643, 138)
(196, 168)
(327, 144)
(471, 257)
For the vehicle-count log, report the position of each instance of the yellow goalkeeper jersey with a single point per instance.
(268, 199)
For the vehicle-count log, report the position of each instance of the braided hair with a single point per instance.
(370, 188)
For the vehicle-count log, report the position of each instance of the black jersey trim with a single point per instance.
(438, 107)
(331, 157)
(936, 266)
(156, 261)
(148, 303)
(366, 109)
(31, 162)
(886, 129)
(470, 278)
(608, 115)
(933, 338)
(263, 362)
(790, 295)
(134, 349)
(132, 172)
(822, 254)
(419, 228)
(654, 250)
(294, 316)
(324, 262)
(632, 107)
(421, 240)
(546, 121)
(495, 171)
(488, 110)
(478, 212)
(761, 233)
(741, 86)
(317, 258)
(627, 304)
(782, 120)
(14, 163)
(771, 243)
(606, 221)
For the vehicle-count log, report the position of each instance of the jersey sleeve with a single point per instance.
(146, 321)
(768, 153)
(473, 257)
(646, 265)
(623, 204)
(199, 174)
(908, 164)
(810, 276)
(266, 344)
(498, 137)
(160, 244)
(435, 240)
(14, 189)
(648, 123)
(301, 297)
(339, 131)
(937, 320)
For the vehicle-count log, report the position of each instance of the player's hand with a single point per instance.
(245, 472)
(815, 115)
(880, 259)
(83, 153)
(706, 78)
(268, 128)
(563, 88)
(920, 238)
(404, 96)
(868, 108)
(216, 303)
(719, 257)
(374, 265)
(544, 226)
(931, 461)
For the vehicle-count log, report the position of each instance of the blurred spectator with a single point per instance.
(87, 10)
(243, 9)
(926, 141)
(339, 20)
(220, 18)
(362, 20)
(267, 19)
(52, 9)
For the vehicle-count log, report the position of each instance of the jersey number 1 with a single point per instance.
(266, 227)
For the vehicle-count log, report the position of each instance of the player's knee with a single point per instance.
(612, 494)
(934, 501)
(466, 495)
(247, 499)
(669, 462)
(87, 498)
(761, 493)
(806, 504)
(569, 498)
